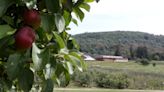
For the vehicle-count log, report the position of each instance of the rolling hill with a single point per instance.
(109, 42)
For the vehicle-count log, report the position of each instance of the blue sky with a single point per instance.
(128, 15)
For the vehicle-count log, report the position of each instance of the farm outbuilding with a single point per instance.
(111, 58)
(88, 58)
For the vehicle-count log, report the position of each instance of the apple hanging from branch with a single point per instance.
(24, 37)
(32, 18)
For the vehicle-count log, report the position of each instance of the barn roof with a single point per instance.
(110, 57)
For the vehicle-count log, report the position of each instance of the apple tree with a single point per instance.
(35, 48)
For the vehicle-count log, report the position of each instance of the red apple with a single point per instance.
(32, 18)
(24, 37)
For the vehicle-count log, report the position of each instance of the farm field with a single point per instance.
(109, 75)
(131, 66)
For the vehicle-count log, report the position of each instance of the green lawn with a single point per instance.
(132, 66)
(100, 90)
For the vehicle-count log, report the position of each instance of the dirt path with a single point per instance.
(105, 90)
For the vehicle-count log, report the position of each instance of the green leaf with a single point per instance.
(42, 35)
(74, 21)
(45, 57)
(67, 4)
(89, 1)
(67, 77)
(4, 46)
(52, 5)
(48, 86)
(80, 62)
(78, 3)
(68, 28)
(85, 6)
(67, 17)
(47, 24)
(9, 20)
(79, 13)
(56, 79)
(49, 36)
(40, 57)
(74, 61)
(5, 30)
(73, 43)
(13, 67)
(26, 79)
(68, 58)
(35, 57)
(69, 67)
(59, 69)
(4, 4)
(63, 51)
(60, 22)
(59, 40)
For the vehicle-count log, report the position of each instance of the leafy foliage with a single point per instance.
(143, 61)
(53, 53)
(141, 52)
(119, 81)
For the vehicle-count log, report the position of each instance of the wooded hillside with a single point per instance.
(124, 43)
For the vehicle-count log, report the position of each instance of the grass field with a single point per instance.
(132, 66)
(139, 76)
(100, 90)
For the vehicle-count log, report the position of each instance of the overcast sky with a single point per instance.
(127, 15)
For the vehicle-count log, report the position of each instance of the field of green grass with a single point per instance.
(131, 66)
(141, 78)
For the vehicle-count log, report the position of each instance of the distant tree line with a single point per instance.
(132, 45)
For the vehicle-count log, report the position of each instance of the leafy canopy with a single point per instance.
(54, 52)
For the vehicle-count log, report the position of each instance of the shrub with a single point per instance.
(83, 79)
(143, 61)
(154, 64)
(146, 82)
(117, 80)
